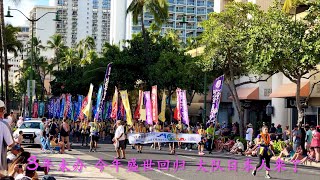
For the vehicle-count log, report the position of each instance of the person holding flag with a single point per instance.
(157, 128)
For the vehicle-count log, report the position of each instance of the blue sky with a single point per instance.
(25, 6)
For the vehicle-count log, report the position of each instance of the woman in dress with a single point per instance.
(315, 143)
(264, 150)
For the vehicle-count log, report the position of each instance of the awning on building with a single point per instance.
(289, 90)
(247, 93)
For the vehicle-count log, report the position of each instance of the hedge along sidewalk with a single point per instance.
(90, 172)
(313, 164)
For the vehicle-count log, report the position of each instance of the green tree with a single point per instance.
(158, 8)
(225, 36)
(56, 43)
(290, 46)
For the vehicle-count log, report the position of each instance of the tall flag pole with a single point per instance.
(105, 88)
(154, 103)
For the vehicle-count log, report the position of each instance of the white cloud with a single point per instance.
(18, 19)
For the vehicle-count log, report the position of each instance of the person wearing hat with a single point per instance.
(249, 134)
(6, 139)
(13, 153)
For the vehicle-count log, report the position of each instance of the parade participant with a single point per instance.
(140, 129)
(94, 135)
(173, 129)
(189, 131)
(64, 133)
(120, 140)
(286, 134)
(112, 128)
(157, 128)
(201, 146)
(264, 150)
(210, 131)
(85, 129)
(53, 128)
(77, 132)
(296, 135)
(180, 130)
(151, 129)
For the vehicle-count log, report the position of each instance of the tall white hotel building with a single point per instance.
(82, 18)
(194, 12)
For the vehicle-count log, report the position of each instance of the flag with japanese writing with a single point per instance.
(87, 110)
(162, 115)
(148, 107)
(57, 108)
(41, 109)
(51, 108)
(35, 109)
(177, 112)
(67, 106)
(99, 96)
(154, 104)
(114, 111)
(126, 105)
(79, 106)
(109, 110)
(63, 102)
(84, 104)
(216, 94)
(184, 107)
(70, 109)
(137, 111)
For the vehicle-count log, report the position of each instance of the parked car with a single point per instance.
(31, 132)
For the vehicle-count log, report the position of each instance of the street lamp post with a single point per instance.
(32, 20)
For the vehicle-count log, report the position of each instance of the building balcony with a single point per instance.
(191, 19)
(179, 10)
(191, 27)
(209, 4)
(209, 10)
(179, 26)
(171, 8)
(191, 11)
(201, 12)
(182, 2)
(201, 3)
(191, 3)
(171, 1)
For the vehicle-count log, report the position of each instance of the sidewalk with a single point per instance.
(90, 172)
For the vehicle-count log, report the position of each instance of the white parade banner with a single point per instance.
(145, 138)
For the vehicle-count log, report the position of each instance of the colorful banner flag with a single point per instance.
(41, 109)
(63, 102)
(67, 106)
(162, 115)
(84, 104)
(126, 105)
(137, 111)
(114, 111)
(216, 94)
(148, 107)
(184, 107)
(51, 108)
(70, 110)
(142, 111)
(57, 108)
(87, 110)
(105, 87)
(109, 110)
(177, 112)
(79, 106)
(154, 104)
(99, 96)
(35, 110)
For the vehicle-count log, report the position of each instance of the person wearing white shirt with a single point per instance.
(120, 140)
(20, 121)
(249, 134)
(6, 140)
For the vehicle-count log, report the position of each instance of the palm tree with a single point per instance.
(158, 8)
(86, 48)
(13, 45)
(56, 43)
(70, 58)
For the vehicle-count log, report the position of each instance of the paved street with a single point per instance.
(105, 152)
